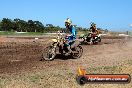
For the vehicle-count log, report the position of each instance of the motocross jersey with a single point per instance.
(94, 31)
(73, 32)
(72, 37)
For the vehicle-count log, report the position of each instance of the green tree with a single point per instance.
(16, 24)
(20, 25)
(0, 26)
(6, 24)
(31, 26)
(39, 27)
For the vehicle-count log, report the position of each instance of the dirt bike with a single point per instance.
(90, 38)
(58, 47)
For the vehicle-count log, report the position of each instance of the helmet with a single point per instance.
(93, 24)
(68, 21)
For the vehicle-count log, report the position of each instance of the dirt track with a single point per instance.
(21, 55)
(20, 65)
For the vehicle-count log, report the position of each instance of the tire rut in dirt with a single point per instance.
(15, 55)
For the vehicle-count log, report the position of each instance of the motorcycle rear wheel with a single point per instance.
(78, 51)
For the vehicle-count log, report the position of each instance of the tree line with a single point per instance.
(19, 25)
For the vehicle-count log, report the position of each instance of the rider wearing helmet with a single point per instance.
(93, 30)
(72, 37)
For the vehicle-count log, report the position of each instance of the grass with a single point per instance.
(82, 32)
(129, 62)
(62, 78)
(29, 33)
(4, 81)
(21, 34)
(104, 70)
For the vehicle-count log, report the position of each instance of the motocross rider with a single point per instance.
(72, 36)
(93, 31)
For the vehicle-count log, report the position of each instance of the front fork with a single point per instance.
(58, 47)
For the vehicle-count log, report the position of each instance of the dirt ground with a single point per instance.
(22, 56)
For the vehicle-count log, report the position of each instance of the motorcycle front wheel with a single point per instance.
(99, 39)
(49, 53)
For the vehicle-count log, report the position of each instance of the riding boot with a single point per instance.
(69, 50)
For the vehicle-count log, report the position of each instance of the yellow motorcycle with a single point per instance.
(59, 47)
